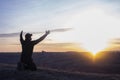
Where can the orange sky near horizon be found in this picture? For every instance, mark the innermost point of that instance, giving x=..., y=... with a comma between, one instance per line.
x=60, y=47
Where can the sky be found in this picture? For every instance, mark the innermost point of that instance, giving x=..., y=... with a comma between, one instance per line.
x=75, y=25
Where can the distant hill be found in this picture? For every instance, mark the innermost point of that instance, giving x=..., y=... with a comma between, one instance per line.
x=108, y=57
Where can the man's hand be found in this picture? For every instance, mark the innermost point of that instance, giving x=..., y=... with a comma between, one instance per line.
x=22, y=31
x=47, y=32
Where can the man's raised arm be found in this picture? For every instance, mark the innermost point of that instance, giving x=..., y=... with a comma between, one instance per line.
x=21, y=38
x=41, y=38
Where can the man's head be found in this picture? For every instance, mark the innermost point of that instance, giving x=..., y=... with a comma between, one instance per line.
x=28, y=36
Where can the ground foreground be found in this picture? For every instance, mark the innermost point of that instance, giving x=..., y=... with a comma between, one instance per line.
x=8, y=72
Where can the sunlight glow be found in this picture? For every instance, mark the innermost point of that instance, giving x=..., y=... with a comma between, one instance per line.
x=97, y=27
x=92, y=29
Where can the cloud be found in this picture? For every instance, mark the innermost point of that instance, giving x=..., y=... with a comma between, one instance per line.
x=115, y=41
x=9, y=35
x=58, y=44
x=61, y=30
x=65, y=46
x=5, y=35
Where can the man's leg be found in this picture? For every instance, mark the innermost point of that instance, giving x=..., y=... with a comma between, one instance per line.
x=20, y=66
x=32, y=66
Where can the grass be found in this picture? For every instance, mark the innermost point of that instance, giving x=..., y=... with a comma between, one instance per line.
x=8, y=72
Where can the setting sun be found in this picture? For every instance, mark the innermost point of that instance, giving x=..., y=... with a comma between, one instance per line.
x=91, y=29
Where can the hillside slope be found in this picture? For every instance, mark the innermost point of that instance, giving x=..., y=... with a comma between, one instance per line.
x=8, y=72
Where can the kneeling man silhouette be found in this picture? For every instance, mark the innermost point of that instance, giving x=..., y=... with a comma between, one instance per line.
x=26, y=61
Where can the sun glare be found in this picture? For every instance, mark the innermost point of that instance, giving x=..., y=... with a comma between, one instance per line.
x=90, y=29
x=93, y=30
x=95, y=24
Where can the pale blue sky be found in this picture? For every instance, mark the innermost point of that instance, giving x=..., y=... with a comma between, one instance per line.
x=37, y=14
x=23, y=14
